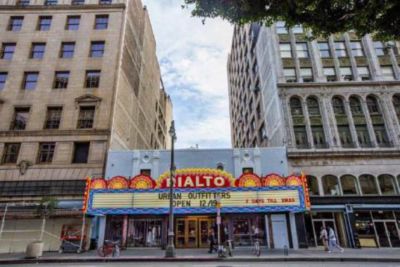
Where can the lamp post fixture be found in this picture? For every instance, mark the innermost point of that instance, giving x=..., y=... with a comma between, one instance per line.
x=170, y=250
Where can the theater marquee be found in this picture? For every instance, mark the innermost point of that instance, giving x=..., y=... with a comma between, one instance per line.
x=196, y=191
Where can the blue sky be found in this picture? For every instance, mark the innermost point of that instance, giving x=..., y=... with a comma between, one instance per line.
x=193, y=60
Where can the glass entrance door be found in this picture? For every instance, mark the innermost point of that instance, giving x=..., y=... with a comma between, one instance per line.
x=192, y=232
x=204, y=226
x=317, y=224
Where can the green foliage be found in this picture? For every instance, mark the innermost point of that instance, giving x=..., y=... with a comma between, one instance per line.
x=46, y=207
x=323, y=17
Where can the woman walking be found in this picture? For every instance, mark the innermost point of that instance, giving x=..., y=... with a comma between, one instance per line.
x=333, y=241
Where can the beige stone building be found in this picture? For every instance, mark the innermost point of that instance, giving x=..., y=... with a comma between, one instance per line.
x=77, y=78
x=334, y=103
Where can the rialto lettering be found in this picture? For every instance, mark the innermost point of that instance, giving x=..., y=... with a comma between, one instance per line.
x=197, y=181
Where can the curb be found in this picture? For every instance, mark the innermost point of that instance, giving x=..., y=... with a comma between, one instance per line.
x=201, y=259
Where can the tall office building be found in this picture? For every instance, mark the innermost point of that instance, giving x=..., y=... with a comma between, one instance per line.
x=77, y=78
x=334, y=103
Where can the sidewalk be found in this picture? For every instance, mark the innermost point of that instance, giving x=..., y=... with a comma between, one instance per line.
x=240, y=255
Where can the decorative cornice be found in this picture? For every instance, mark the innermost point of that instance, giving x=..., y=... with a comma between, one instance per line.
x=339, y=84
x=370, y=153
x=82, y=132
x=62, y=7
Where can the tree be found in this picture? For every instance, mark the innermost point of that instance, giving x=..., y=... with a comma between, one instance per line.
x=324, y=17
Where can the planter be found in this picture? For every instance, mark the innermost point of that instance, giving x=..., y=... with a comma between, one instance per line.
x=34, y=249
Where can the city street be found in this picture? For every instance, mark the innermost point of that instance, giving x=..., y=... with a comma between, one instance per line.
x=217, y=264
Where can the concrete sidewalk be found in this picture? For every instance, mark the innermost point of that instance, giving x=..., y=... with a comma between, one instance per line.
x=239, y=255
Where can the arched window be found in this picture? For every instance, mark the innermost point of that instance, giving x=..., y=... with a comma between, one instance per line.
x=338, y=106
x=295, y=106
x=313, y=106
x=342, y=122
x=330, y=185
x=349, y=185
x=396, y=104
x=312, y=183
x=299, y=127
x=378, y=123
x=368, y=185
x=355, y=105
x=372, y=104
x=387, y=184
x=360, y=122
x=317, y=128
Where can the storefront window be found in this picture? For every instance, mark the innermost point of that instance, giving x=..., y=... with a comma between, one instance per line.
x=330, y=185
x=312, y=183
x=368, y=185
x=242, y=229
x=114, y=228
x=365, y=229
x=349, y=185
x=144, y=233
x=322, y=215
x=383, y=215
x=386, y=184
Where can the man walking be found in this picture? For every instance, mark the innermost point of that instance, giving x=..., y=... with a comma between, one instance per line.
x=333, y=241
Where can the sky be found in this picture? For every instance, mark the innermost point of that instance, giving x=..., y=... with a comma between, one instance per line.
x=193, y=60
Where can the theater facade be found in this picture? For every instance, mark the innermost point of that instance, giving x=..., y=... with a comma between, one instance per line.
x=131, y=203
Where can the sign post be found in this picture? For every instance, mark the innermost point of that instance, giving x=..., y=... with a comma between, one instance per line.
x=218, y=206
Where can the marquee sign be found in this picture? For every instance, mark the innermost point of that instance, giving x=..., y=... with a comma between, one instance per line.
x=196, y=191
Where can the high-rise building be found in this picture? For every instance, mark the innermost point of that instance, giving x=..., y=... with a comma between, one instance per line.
x=77, y=78
x=334, y=103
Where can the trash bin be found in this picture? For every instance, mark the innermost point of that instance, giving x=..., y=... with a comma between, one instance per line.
x=34, y=249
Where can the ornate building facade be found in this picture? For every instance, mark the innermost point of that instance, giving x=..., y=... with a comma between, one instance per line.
x=77, y=78
x=335, y=104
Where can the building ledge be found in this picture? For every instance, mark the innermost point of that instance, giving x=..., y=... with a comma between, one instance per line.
x=82, y=132
x=375, y=199
x=364, y=153
x=336, y=84
x=63, y=7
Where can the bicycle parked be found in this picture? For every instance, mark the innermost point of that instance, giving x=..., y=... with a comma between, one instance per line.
x=109, y=248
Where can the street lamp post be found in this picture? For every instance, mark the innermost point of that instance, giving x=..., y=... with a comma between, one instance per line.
x=170, y=251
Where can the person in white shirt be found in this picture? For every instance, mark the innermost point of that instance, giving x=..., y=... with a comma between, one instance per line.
x=333, y=241
x=323, y=235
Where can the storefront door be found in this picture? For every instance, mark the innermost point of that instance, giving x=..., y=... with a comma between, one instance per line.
x=317, y=224
x=192, y=232
x=387, y=233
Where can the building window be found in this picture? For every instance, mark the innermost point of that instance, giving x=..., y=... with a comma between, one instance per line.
x=360, y=122
x=330, y=185
x=247, y=170
x=338, y=107
x=30, y=80
x=346, y=73
x=281, y=27
x=296, y=107
x=330, y=74
x=317, y=129
x=42, y=188
x=379, y=48
x=73, y=23
x=23, y=2
x=46, y=152
x=81, y=152
x=78, y=2
x=86, y=117
x=349, y=185
x=53, y=118
x=290, y=75
x=377, y=121
x=312, y=183
x=343, y=126
x=21, y=116
x=363, y=73
x=396, y=105
x=50, y=2
x=368, y=185
x=97, y=49
x=61, y=79
x=297, y=29
x=387, y=73
x=101, y=22
x=67, y=50
x=37, y=50
x=306, y=74
x=15, y=24
x=302, y=50
x=92, y=79
x=324, y=49
x=146, y=172
x=356, y=48
x=105, y=2
x=7, y=50
x=44, y=23
x=373, y=106
x=10, y=154
x=3, y=79
x=340, y=49
x=387, y=184
x=313, y=106
x=285, y=50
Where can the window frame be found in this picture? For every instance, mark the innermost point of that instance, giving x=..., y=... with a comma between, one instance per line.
x=15, y=27
x=340, y=51
x=69, y=26
x=4, y=47
x=97, y=49
x=75, y=156
x=34, y=54
x=41, y=26
x=325, y=50
x=84, y=120
x=64, y=52
x=303, y=51
x=6, y=153
x=15, y=124
x=46, y=150
x=3, y=79
x=92, y=78
x=285, y=53
x=61, y=82
x=97, y=23
x=26, y=81
x=357, y=49
x=53, y=121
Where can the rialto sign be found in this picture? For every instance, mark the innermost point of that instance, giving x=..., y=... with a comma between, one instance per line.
x=196, y=191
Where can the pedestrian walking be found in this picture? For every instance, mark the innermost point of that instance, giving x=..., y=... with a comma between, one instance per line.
x=323, y=235
x=332, y=243
x=211, y=240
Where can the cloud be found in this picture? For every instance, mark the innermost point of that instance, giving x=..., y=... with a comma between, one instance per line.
x=193, y=61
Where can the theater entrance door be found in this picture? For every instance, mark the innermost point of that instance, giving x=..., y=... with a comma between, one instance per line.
x=192, y=231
